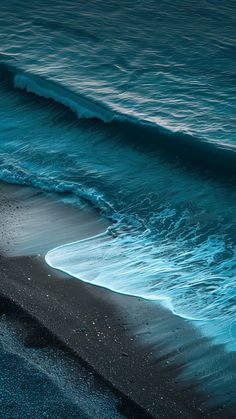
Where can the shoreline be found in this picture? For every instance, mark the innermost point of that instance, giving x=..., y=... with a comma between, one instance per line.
x=97, y=334
x=135, y=345
x=28, y=333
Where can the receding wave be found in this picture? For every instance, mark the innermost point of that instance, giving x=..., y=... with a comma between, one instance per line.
x=17, y=176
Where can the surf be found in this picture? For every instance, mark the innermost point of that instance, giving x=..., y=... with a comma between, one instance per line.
x=173, y=222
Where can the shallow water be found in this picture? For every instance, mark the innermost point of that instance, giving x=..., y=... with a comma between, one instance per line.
x=46, y=381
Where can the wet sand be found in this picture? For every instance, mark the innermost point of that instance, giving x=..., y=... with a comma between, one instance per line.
x=136, y=347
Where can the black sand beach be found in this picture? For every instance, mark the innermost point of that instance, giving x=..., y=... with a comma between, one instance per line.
x=132, y=347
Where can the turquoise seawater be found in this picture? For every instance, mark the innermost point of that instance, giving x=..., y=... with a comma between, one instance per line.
x=130, y=107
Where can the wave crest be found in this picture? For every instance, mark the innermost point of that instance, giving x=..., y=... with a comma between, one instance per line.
x=142, y=133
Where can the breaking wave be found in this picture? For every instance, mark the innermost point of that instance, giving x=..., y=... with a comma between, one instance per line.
x=147, y=134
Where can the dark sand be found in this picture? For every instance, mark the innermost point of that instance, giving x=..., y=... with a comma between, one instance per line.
x=132, y=345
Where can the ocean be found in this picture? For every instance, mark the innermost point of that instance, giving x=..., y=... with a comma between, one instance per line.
x=130, y=107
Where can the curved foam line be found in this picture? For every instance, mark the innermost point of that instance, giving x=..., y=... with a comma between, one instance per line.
x=88, y=195
x=166, y=301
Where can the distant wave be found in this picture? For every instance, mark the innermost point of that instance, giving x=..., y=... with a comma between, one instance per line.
x=146, y=135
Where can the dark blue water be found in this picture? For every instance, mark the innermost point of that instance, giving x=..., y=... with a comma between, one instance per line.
x=150, y=142
x=46, y=382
